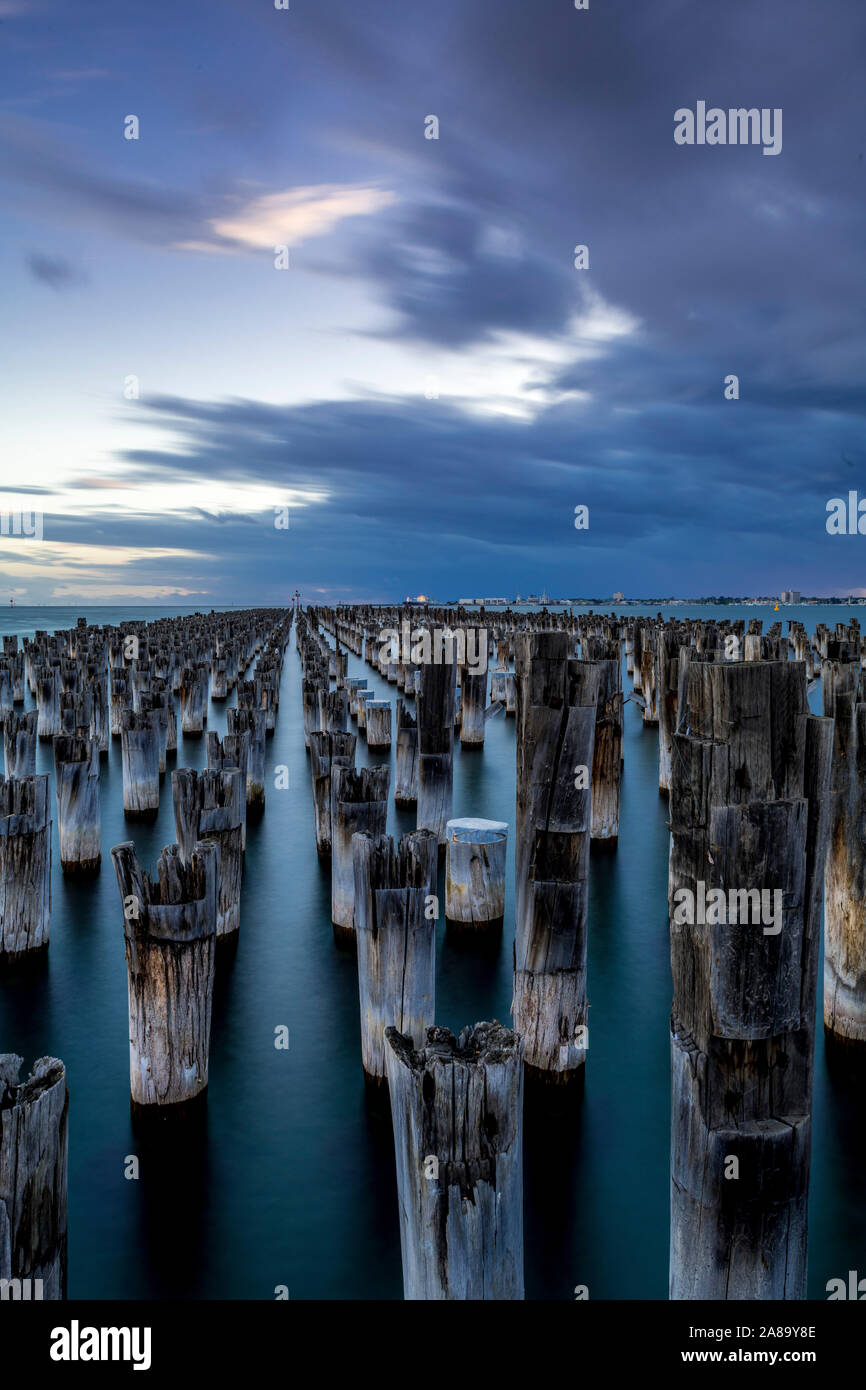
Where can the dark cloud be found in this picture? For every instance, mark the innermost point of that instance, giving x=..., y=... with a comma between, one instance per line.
x=419, y=490
x=55, y=271
x=556, y=129
x=50, y=174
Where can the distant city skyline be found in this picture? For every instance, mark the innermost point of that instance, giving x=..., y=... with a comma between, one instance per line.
x=477, y=334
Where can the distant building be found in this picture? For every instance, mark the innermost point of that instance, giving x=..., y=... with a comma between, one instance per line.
x=618, y=597
x=790, y=595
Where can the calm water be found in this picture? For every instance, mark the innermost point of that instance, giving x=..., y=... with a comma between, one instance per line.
x=293, y=1182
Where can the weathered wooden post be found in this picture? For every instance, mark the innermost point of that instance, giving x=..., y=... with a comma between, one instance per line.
x=269, y=693
x=475, y=876
x=170, y=932
x=139, y=743
x=667, y=675
x=311, y=691
x=120, y=698
x=395, y=928
x=359, y=803
x=326, y=752
x=354, y=684
x=457, y=1111
x=210, y=806
x=7, y=698
x=557, y=698
x=79, y=823
x=845, y=877
x=156, y=703
x=473, y=702
x=608, y=744
x=435, y=715
x=252, y=721
x=749, y=815
x=33, y=1177
x=649, y=674
x=25, y=866
x=100, y=725
x=233, y=751
x=163, y=692
x=406, y=758
x=19, y=744
x=48, y=702
x=333, y=711
x=193, y=700
x=219, y=685
x=378, y=724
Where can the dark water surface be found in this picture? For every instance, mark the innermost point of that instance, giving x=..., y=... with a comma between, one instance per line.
x=293, y=1183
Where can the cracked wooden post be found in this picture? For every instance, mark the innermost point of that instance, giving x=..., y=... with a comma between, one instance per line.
x=48, y=689
x=311, y=691
x=170, y=932
x=120, y=698
x=557, y=698
x=333, y=711
x=19, y=744
x=269, y=696
x=607, y=751
x=845, y=875
x=395, y=928
x=219, y=683
x=79, y=822
x=475, y=876
x=378, y=724
x=100, y=726
x=457, y=1112
x=156, y=702
x=359, y=803
x=193, y=700
x=210, y=806
x=327, y=751
x=650, y=637
x=510, y=694
x=25, y=866
x=749, y=818
x=252, y=721
x=139, y=743
x=435, y=717
x=233, y=751
x=354, y=684
x=33, y=1179
x=7, y=700
x=406, y=758
x=667, y=675
x=473, y=702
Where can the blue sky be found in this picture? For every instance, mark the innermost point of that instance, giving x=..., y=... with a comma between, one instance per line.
x=431, y=387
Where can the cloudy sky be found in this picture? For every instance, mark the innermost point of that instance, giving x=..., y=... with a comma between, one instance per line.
x=431, y=387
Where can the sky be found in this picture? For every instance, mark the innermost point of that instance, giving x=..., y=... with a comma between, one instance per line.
x=285, y=295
